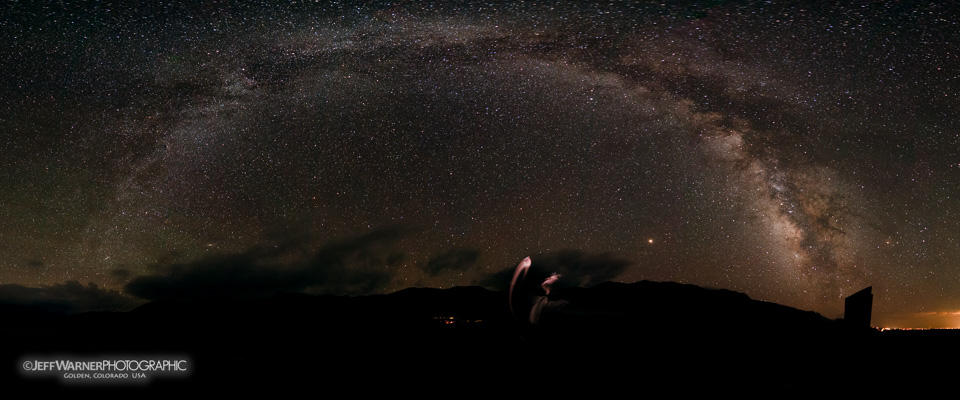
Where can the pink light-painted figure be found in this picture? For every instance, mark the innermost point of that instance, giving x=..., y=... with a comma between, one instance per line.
x=522, y=269
x=542, y=305
x=539, y=305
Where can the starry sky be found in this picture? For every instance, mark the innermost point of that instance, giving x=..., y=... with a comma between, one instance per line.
x=794, y=151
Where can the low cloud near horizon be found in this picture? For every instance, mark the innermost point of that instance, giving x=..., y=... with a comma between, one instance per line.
x=354, y=266
x=358, y=265
x=70, y=297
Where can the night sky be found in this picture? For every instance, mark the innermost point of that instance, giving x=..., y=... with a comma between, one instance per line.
x=790, y=150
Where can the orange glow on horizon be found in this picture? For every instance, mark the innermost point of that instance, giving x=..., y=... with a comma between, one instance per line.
x=920, y=320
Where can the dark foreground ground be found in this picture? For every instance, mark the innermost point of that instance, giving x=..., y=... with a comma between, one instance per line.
x=645, y=338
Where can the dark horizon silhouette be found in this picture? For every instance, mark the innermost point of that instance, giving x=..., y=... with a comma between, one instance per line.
x=466, y=336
